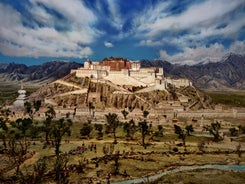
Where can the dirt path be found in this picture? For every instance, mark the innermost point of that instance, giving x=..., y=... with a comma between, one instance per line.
x=67, y=84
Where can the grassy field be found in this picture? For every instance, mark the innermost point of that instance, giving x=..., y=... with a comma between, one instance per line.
x=9, y=92
x=230, y=98
x=137, y=161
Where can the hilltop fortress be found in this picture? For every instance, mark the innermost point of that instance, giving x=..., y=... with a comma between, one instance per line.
x=126, y=73
x=118, y=83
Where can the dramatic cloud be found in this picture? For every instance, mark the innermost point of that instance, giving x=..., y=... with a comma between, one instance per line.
x=196, y=18
x=108, y=44
x=193, y=30
x=184, y=31
x=47, y=40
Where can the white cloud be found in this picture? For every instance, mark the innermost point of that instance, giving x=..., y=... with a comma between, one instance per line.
x=150, y=43
x=199, y=21
x=203, y=54
x=201, y=15
x=151, y=14
x=18, y=40
x=116, y=18
x=238, y=47
x=74, y=10
x=42, y=15
x=108, y=44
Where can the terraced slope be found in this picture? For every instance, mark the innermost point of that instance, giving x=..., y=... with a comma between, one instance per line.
x=72, y=91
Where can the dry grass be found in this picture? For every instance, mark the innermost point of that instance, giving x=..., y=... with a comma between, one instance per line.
x=140, y=162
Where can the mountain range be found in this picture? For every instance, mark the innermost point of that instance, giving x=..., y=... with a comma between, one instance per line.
x=37, y=74
x=227, y=74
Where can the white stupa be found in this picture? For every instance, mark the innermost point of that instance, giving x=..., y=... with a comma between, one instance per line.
x=20, y=100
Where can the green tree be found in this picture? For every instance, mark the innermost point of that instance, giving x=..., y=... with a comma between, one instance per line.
x=189, y=129
x=130, y=129
x=116, y=157
x=37, y=175
x=37, y=104
x=159, y=132
x=201, y=146
x=144, y=130
x=23, y=125
x=59, y=129
x=4, y=132
x=4, y=119
x=214, y=129
x=50, y=114
x=5, y=114
x=241, y=129
x=17, y=148
x=86, y=130
x=233, y=131
x=125, y=113
x=35, y=130
x=145, y=113
x=99, y=128
x=112, y=123
x=181, y=134
x=40, y=168
x=59, y=167
x=47, y=129
x=28, y=108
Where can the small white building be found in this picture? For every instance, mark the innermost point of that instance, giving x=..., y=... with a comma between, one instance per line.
x=21, y=99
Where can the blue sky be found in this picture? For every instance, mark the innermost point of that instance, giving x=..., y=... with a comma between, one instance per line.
x=179, y=31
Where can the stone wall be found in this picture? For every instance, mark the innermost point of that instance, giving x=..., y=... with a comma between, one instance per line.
x=179, y=82
x=98, y=74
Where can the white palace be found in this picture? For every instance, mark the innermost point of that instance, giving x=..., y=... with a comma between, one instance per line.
x=126, y=73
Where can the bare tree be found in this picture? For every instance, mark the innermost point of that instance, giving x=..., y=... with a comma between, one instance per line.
x=59, y=129
x=17, y=149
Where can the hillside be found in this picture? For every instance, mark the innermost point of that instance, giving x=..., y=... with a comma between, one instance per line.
x=44, y=73
x=33, y=76
x=72, y=91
